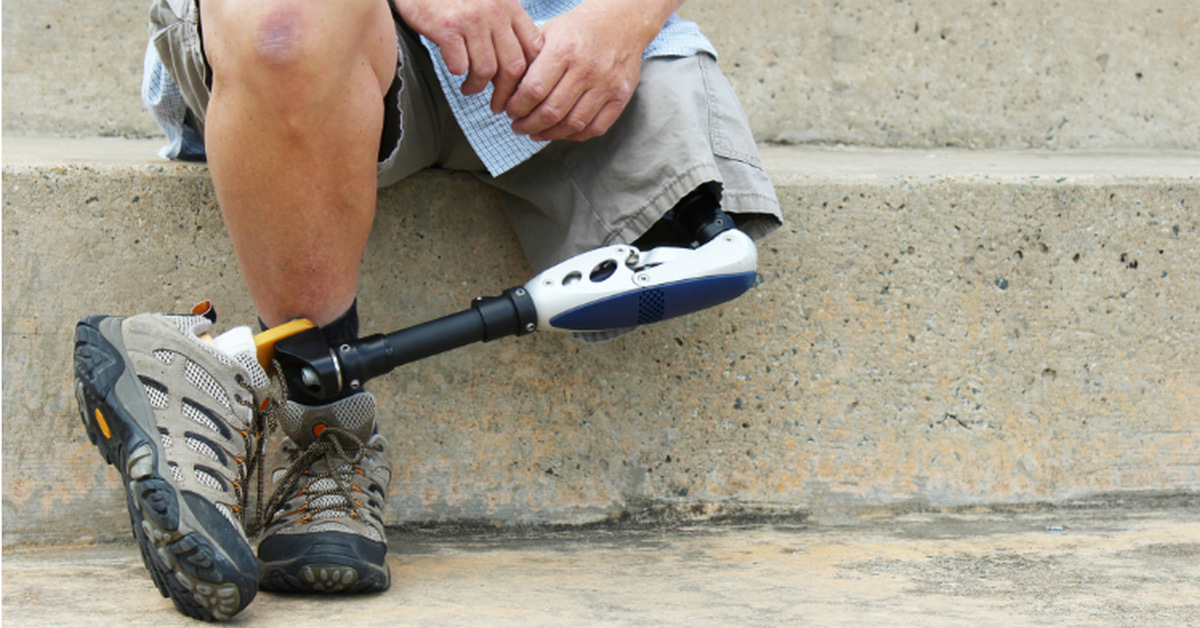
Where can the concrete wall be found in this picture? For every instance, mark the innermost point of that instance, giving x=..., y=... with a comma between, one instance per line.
x=934, y=326
x=971, y=73
x=937, y=328
x=1006, y=74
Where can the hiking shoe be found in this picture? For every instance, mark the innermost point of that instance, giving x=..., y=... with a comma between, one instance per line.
x=324, y=530
x=178, y=417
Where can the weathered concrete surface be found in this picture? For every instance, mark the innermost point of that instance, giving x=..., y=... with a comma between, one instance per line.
x=1078, y=568
x=940, y=328
x=1012, y=74
x=75, y=69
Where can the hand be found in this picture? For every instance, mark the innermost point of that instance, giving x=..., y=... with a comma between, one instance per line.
x=491, y=41
x=587, y=69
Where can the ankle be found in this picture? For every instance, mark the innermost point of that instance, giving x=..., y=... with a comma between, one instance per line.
x=341, y=329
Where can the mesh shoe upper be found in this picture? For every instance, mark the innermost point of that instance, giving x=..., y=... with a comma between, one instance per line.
x=330, y=472
x=205, y=403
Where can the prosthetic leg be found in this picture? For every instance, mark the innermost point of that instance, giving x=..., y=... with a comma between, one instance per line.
x=611, y=287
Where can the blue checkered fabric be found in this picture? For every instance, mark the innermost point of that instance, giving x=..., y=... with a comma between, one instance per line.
x=491, y=134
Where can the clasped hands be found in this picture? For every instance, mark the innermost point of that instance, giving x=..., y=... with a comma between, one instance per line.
x=569, y=79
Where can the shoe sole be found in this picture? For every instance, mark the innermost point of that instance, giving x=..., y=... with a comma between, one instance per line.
x=325, y=562
x=177, y=531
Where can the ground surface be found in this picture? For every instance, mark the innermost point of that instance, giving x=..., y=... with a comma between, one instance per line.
x=1060, y=567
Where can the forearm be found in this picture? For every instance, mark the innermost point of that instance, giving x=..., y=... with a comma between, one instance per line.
x=643, y=19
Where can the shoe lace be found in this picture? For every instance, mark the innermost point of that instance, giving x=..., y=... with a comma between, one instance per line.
x=267, y=406
x=342, y=453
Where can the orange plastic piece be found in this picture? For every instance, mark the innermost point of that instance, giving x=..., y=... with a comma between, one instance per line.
x=102, y=423
x=266, y=340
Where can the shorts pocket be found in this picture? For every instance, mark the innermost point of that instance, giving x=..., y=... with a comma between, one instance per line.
x=729, y=129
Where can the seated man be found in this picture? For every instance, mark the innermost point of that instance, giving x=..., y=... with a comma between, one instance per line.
x=597, y=118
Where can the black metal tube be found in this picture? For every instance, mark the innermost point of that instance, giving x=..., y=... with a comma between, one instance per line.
x=490, y=318
x=370, y=357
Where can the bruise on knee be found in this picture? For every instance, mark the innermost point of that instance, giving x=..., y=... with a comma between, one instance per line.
x=277, y=36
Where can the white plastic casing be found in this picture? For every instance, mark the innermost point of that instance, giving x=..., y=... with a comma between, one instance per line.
x=621, y=269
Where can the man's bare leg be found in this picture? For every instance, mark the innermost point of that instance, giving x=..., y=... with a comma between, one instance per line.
x=292, y=135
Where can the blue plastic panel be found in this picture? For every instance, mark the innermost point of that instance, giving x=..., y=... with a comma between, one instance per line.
x=659, y=303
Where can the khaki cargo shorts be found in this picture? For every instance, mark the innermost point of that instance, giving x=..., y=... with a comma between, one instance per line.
x=683, y=128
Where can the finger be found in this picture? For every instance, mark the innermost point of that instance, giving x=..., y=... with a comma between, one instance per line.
x=511, y=68
x=529, y=35
x=553, y=110
x=454, y=53
x=602, y=122
x=482, y=56
x=575, y=121
x=540, y=80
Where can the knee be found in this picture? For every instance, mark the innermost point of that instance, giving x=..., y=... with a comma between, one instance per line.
x=243, y=39
x=286, y=40
x=280, y=37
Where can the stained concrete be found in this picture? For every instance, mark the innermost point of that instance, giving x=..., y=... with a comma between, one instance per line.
x=942, y=328
x=75, y=69
x=1097, y=566
x=1015, y=74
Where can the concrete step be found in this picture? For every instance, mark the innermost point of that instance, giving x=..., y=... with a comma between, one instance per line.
x=937, y=328
x=1012, y=75
x=1091, y=567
